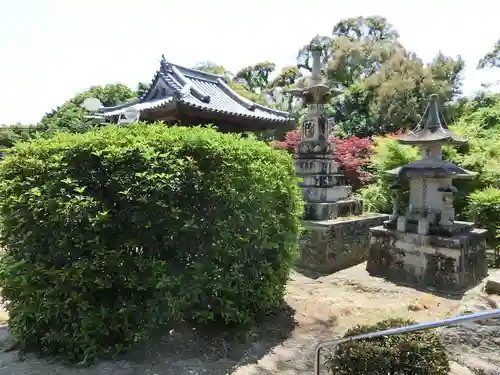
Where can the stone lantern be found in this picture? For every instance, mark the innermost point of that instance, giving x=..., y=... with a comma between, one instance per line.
x=430, y=178
x=427, y=232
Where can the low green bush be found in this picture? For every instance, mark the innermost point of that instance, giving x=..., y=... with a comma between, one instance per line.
x=387, y=154
x=412, y=353
x=115, y=231
x=482, y=155
x=484, y=209
x=376, y=197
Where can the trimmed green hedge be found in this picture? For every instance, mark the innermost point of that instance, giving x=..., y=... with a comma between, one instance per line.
x=484, y=209
x=420, y=352
x=115, y=231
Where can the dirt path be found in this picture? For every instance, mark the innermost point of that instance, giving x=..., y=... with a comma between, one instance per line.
x=324, y=308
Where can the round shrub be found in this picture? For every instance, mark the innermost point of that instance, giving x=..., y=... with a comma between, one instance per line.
x=484, y=210
x=420, y=352
x=387, y=154
x=115, y=231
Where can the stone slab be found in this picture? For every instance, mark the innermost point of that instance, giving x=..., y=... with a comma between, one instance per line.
x=493, y=284
x=457, y=241
x=328, y=246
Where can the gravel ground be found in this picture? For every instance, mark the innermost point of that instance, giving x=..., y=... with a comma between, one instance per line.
x=318, y=309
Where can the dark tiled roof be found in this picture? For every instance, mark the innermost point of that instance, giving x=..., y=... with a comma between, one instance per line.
x=141, y=106
x=432, y=169
x=432, y=127
x=201, y=90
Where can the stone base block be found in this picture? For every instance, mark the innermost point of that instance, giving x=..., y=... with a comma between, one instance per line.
x=332, y=245
x=493, y=284
x=448, y=264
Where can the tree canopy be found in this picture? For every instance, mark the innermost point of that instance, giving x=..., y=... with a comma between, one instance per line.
x=492, y=58
x=383, y=86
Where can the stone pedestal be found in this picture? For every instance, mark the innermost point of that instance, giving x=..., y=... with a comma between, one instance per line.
x=332, y=245
x=449, y=263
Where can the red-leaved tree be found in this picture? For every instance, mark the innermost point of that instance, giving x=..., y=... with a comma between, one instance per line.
x=352, y=154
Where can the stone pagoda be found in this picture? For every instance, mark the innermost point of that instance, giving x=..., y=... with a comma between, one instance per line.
x=425, y=244
x=324, y=188
x=329, y=244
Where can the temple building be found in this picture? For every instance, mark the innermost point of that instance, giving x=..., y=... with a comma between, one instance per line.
x=183, y=96
x=424, y=243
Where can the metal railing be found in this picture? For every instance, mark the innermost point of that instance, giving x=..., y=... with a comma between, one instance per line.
x=394, y=331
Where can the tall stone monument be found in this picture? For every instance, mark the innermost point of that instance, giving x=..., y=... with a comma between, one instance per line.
x=425, y=244
x=336, y=237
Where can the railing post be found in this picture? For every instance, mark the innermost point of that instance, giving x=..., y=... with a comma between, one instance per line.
x=394, y=331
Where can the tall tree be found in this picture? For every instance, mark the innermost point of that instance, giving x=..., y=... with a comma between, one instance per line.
x=492, y=58
x=256, y=77
x=447, y=69
x=142, y=88
x=373, y=28
x=10, y=134
x=70, y=115
x=304, y=57
x=277, y=90
x=287, y=77
x=383, y=85
x=211, y=67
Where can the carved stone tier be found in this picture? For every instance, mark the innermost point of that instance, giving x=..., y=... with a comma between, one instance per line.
x=333, y=210
x=323, y=180
x=315, y=165
x=448, y=263
x=324, y=189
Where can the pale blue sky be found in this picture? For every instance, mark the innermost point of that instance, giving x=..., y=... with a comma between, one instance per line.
x=52, y=49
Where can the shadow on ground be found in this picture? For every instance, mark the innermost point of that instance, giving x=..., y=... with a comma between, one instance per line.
x=296, y=356
x=456, y=296
x=178, y=350
x=224, y=348
x=311, y=274
x=314, y=275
